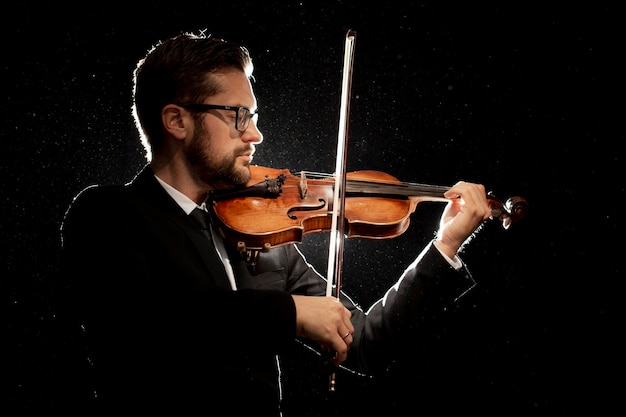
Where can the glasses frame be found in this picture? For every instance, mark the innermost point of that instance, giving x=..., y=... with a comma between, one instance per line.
x=201, y=107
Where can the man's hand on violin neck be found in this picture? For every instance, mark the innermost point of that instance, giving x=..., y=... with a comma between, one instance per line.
x=467, y=209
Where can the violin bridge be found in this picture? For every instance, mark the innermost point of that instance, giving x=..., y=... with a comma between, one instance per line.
x=302, y=186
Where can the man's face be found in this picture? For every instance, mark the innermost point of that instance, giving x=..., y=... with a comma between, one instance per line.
x=218, y=152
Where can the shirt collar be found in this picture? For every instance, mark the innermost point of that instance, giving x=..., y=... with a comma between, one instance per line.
x=186, y=203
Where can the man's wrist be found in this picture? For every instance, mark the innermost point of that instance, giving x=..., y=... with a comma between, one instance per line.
x=453, y=260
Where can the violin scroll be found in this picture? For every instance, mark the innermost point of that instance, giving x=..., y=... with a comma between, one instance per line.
x=508, y=212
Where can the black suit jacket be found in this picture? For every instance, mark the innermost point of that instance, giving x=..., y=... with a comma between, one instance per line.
x=164, y=330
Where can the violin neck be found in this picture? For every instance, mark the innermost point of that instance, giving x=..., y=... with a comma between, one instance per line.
x=401, y=190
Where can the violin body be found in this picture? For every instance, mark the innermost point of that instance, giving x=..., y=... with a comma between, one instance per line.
x=286, y=218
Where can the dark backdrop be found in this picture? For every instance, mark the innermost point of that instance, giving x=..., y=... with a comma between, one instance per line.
x=527, y=99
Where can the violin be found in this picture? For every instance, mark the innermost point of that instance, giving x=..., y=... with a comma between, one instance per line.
x=278, y=207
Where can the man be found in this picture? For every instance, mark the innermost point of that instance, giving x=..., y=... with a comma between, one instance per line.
x=174, y=320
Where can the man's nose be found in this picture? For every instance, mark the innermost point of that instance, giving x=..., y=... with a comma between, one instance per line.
x=252, y=133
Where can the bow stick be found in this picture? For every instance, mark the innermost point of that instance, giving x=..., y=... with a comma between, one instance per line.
x=337, y=231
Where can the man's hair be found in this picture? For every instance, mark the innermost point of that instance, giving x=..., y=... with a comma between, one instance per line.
x=177, y=70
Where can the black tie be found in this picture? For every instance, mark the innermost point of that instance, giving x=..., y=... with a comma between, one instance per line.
x=204, y=221
x=202, y=217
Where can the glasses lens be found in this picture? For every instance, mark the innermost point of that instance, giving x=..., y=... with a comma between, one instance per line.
x=243, y=119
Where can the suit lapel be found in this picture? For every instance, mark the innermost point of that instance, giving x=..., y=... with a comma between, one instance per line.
x=206, y=252
x=154, y=199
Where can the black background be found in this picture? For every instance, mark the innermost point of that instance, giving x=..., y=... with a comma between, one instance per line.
x=525, y=98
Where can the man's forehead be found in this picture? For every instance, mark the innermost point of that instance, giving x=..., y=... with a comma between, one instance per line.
x=235, y=87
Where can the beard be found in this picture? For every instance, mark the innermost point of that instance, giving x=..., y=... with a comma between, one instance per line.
x=218, y=172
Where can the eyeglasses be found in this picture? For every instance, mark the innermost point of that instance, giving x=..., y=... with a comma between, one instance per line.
x=242, y=114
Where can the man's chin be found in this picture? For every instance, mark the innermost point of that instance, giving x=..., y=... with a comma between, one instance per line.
x=244, y=174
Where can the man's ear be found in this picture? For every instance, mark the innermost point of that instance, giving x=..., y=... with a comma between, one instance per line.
x=176, y=121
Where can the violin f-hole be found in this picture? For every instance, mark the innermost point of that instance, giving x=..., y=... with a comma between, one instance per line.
x=305, y=208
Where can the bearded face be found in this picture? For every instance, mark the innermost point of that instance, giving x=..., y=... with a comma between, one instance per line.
x=215, y=165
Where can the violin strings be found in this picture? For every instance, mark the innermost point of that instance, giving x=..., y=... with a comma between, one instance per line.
x=404, y=188
x=383, y=187
x=315, y=175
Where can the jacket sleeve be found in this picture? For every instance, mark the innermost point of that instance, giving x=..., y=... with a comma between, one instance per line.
x=414, y=309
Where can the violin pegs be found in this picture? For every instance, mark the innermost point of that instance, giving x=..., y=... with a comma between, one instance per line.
x=508, y=213
x=517, y=207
